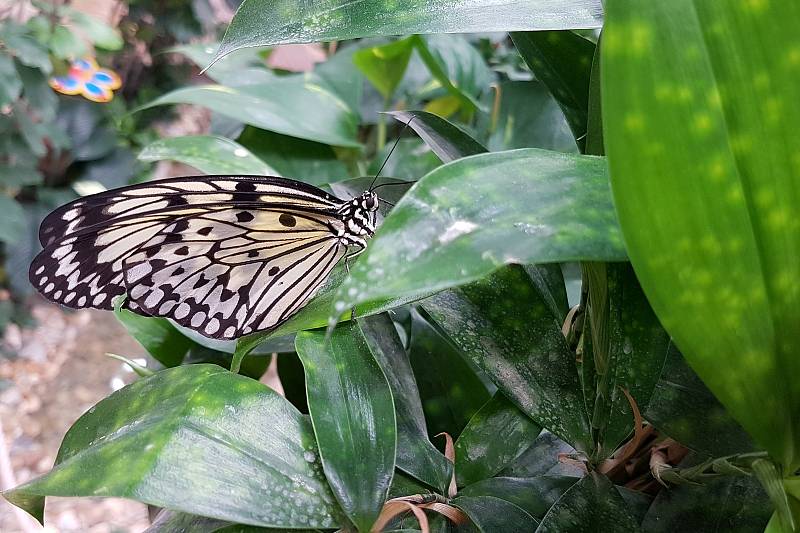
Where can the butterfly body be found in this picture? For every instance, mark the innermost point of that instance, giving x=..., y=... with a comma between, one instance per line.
x=223, y=255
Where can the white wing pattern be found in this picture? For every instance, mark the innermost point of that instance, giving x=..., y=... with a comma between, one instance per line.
x=223, y=255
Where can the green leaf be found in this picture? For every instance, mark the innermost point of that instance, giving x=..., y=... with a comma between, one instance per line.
x=98, y=32
x=592, y=504
x=490, y=514
x=10, y=84
x=289, y=105
x=630, y=359
x=37, y=92
x=410, y=160
x=157, y=335
x=12, y=220
x=307, y=161
x=448, y=141
x=207, y=153
x=494, y=437
x=471, y=216
x=529, y=117
x=683, y=408
x=503, y=324
x=456, y=65
x=243, y=67
x=562, y=60
x=352, y=411
x=14, y=176
x=712, y=230
x=730, y=504
x=535, y=495
x=541, y=459
x=25, y=48
x=415, y=453
x=263, y=22
x=385, y=65
x=194, y=439
x=450, y=390
x=65, y=44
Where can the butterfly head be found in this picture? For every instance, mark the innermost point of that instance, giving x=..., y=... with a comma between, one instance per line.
x=368, y=201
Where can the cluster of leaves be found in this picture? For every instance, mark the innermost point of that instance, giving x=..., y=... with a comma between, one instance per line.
x=567, y=398
x=46, y=141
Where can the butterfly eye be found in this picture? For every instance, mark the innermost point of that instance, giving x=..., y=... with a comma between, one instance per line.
x=371, y=202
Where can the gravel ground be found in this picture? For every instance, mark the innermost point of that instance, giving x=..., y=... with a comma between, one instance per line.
x=51, y=374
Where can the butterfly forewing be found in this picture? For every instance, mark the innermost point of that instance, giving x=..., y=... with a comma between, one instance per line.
x=223, y=255
x=174, y=194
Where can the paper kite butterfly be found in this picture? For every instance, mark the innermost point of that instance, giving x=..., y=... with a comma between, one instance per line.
x=223, y=255
x=88, y=80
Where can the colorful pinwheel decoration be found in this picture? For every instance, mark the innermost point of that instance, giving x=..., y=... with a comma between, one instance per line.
x=86, y=78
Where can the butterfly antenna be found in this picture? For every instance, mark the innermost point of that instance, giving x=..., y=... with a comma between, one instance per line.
x=399, y=135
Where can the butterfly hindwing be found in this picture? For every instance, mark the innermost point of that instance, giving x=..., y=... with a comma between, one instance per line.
x=224, y=276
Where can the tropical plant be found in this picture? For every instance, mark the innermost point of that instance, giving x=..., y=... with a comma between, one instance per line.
x=539, y=336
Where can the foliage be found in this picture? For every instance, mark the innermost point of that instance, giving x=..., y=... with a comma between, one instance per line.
x=565, y=413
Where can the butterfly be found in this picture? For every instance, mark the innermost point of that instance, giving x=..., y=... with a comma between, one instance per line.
x=226, y=256
x=86, y=78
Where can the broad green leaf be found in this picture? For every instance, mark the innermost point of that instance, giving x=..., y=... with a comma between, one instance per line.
x=158, y=336
x=730, y=504
x=494, y=437
x=490, y=514
x=503, y=324
x=410, y=160
x=15, y=176
x=12, y=220
x=415, y=453
x=450, y=390
x=533, y=494
x=303, y=160
x=542, y=459
x=65, y=44
x=10, y=84
x=385, y=65
x=208, y=154
x=263, y=22
x=98, y=32
x=252, y=367
x=243, y=67
x=352, y=411
x=289, y=105
x=24, y=47
x=591, y=504
x=529, y=117
x=196, y=439
x=448, y=141
x=704, y=171
x=37, y=92
x=562, y=60
x=168, y=521
x=456, y=65
x=471, y=216
x=632, y=357
x=683, y=408
x=340, y=75
x=549, y=280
